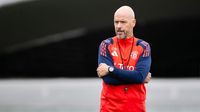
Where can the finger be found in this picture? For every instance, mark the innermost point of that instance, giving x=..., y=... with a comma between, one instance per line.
x=100, y=64
x=99, y=68
x=149, y=73
x=98, y=74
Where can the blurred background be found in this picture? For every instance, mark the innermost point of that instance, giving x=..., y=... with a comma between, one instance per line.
x=50, y=44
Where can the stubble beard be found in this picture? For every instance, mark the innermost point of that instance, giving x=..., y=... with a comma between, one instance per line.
x=122, y=36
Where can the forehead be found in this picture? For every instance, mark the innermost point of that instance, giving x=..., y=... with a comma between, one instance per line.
x=121, y=17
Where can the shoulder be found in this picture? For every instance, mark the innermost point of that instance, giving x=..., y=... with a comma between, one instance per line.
x=107, y=41
x=104, y=46
x=143, y=44
x=146, y=47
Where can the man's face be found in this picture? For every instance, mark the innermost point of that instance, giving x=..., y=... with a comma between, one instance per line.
x=123, y=26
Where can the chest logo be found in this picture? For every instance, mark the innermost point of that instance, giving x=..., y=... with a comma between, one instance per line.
x=114, y=53
x=134, y=55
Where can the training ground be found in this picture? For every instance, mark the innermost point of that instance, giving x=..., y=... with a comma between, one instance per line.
x=82, y=95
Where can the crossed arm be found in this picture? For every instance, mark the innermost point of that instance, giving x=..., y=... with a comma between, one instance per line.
x=102, y=71
x=140, y=75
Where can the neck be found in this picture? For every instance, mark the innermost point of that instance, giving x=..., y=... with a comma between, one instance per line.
x=126, y=38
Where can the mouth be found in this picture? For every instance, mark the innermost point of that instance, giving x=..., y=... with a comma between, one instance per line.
x=119, y=32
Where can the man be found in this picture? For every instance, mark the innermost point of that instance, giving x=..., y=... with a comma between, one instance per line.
x=124, y=64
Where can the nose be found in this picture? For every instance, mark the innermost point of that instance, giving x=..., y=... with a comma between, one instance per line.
x=118, y=25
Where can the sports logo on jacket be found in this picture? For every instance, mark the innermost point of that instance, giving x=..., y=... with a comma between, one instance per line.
x=114, y=52
x=134, y=55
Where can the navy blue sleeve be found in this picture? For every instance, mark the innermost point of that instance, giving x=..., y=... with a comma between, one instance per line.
x=104, y=57
x=142, y=68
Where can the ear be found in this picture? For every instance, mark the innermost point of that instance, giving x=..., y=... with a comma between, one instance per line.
x=134, y=22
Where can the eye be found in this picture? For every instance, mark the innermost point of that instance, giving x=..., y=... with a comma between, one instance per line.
x=116, y=22
x=123, y=22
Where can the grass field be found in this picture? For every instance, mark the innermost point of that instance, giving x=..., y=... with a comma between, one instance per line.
x=82, y=95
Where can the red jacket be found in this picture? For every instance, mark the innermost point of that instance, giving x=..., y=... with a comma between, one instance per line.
x=119, y=92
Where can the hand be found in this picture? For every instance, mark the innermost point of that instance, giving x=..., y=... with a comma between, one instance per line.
x=148, y=78
x=102, y=70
